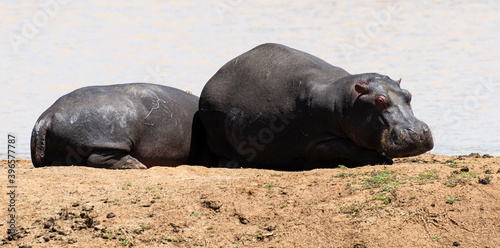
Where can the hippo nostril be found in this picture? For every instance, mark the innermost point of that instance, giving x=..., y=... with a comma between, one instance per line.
x=425, y=129
x=426, y=136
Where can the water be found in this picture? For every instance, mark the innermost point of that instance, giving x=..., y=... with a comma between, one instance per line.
x=446, y=52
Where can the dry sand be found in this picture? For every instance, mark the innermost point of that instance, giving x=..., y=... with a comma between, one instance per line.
x=422, y=201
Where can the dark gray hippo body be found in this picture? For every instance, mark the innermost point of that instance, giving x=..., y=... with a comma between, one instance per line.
x=280, y=108
x=119, y=126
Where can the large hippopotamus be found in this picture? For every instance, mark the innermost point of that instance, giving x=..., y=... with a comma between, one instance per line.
x=279, y=108
x=119, y=126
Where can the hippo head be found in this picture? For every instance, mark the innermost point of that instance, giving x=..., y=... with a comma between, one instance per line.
x=381, y=118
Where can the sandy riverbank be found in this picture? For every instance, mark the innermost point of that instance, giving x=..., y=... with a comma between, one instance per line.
x=423, y=201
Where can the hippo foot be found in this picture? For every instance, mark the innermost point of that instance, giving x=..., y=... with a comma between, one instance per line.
x=369, y=157
x=375, y=158
x=114, y=160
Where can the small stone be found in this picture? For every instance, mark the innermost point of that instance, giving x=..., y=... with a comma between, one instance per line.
x=465, y=169
x=75, y=204
x=110, y=215
x=65, y=231
x=100, y=228
x=456, y=243
x=49, y=223
x=88, y=207
x=484, y=180
x=25, y=230
x=488, y=172
x=61, y=238
x=474, y=155
x=25, y=246
x=72, y=240
x=487, y=156
x=498, y=171
x=46, y=238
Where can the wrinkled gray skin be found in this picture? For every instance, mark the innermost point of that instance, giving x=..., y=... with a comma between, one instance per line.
x=117, y=126
x=280, y=108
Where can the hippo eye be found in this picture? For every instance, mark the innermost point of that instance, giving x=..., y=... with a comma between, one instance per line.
x=381, y=101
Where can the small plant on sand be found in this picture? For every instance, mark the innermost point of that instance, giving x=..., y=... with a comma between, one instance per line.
x=451, y=200
x=312, y=203
x=379, y=178
x=107, y=236
x=127, y=184
x=259, y=236
x=170, y=239
x=428, y=176
x=342, y=175
x=270, y=226
x=436, y=237
x=197, y=214
x=459, y=177
x=383, y=198
x=389, y=187
x=123, y=241
x=341, y=166
x=452, y=165
x=351, y=209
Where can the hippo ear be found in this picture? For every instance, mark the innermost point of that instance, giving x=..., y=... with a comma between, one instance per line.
x=361, y=88
x=399, y=81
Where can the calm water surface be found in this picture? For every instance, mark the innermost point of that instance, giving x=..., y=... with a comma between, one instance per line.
x=447, y=53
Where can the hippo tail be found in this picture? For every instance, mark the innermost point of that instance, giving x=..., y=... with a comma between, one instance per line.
x=38, y=141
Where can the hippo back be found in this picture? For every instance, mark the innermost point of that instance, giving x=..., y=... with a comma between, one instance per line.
x=152, y=123
x=268, y=73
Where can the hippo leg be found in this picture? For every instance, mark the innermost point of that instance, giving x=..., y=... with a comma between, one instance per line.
x=114, y=160
x=346, y=149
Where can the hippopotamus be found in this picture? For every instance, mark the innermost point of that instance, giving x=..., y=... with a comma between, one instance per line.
x=120, y=126
x=279, y=108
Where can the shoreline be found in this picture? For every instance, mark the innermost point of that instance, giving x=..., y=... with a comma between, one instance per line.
x=25, y=161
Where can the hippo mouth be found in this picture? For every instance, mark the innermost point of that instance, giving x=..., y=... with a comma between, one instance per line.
x=397, y=144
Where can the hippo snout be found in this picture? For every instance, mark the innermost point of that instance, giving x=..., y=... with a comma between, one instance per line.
x=404, y=141
x=425, y=137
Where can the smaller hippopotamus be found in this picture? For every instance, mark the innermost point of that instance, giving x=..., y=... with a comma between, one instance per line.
x=121, y=126
x=279, y=108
